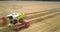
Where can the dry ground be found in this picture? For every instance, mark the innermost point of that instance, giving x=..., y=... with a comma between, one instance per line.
x=50, y=24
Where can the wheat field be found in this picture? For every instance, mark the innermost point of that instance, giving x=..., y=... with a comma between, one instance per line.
x=43, y=16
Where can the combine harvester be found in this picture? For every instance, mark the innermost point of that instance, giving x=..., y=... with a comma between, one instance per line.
x=16, y=21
